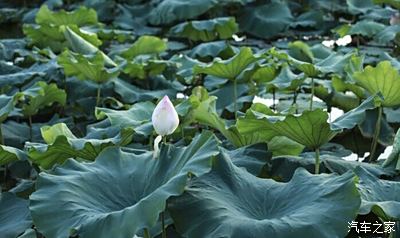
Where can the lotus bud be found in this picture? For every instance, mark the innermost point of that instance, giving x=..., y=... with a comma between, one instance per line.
x=395, y=19
x=165, y=118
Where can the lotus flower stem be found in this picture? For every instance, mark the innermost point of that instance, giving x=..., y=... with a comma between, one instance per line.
x=376, y=134
x=164, y=233
x=98, y=95
x=273, y=99
x=30, y=126
x=1, y=134
x=312, y=94
x=316, y=161
x=235, y=97
x=146, y=233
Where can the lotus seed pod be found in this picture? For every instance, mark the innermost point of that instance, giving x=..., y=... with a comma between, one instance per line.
x=165, y=118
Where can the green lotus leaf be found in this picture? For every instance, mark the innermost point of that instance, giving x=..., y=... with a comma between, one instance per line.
x=143, y=69
x=281, y=145
x=367, y=128
x=366, y=28
x=15, y=217
x=230, y=202
x=301, y=51
x=41, y=95
x=137, y=117
x=393, y=3
x=63, y=144
x=388, y=34
x=383, y=78
x=263, y=73
x=310, y=18
x=141, y=186
x=145, y=45
x=9, y=154
x=274, y=16
x=204, y=112
x=168, y=11
x=7, y=104
x=282, y=168
x=80, y=45
x=252, y=157
x=230, y=68
x=80, y=17
x=212, y=49
x=286, y=79
x=357, y=115
x=87, y=67
x=310, y=129
x=381, y=197
x=131, y=94
x=206, y=30
x=54, y=37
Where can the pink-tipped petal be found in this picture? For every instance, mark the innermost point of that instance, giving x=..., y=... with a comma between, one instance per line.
x=165, y=118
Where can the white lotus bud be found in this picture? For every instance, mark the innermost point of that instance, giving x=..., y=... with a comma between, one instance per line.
x=165, y=118
x=395, y=19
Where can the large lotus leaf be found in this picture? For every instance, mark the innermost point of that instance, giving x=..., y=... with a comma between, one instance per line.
x=388, y=34
x=7, y=104
x=261, y=73
x=393, y=3
x=383, y=78
x=230, y=202
x=357, y=115
x=169, y=11
x=145, y=45
x=212, y=49
x=359, y=6
x=144, y=68
x=230, y=68
x=137, y=117
x=130, y=93
x=274, y=16
x=281, y=145
x=310, y=18
x=26, y=75
x=310, y=129
x=79, y=17
x=9, y=154
x=140, y=187
x=381, y=197
x=41, y=95
x=63, y=144
x=286, y=80
x=252, y=157
x=204, y=112
x=364, y=28
x=301, y=51
x=44, y=36
x=80, y=45
x=367, y=128
x=206, y=30
x=226, y=96
x=87, y=67
x=15, y=217
x=335, y=63
x=282, y=168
